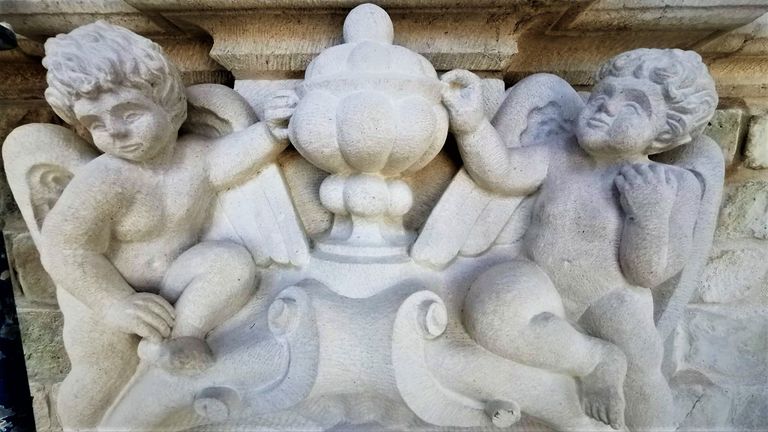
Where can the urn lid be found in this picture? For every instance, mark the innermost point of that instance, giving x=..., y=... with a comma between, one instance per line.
x=368, y=54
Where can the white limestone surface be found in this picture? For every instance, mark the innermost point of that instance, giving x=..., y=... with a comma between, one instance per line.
x=541, y=288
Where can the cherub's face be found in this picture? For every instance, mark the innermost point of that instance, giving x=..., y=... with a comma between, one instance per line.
x=127, y=124
x=623, y=117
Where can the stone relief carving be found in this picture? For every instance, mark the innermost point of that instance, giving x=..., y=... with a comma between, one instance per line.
x=540, y=288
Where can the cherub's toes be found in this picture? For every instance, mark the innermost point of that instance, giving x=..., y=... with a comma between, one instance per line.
x=616, y=416
x=602, y=413
x=593, y=411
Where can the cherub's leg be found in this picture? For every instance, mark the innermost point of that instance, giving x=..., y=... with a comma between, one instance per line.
x=208, y=284
x=514, y=311
x=103, y=361
x=625, y=317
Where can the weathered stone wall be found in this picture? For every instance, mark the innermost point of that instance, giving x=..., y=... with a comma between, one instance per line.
x=717, y=358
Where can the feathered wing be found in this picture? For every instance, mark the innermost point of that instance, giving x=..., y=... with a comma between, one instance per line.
x=39, y=160
x=272, y=230
x=536, y=111
x=704, y=159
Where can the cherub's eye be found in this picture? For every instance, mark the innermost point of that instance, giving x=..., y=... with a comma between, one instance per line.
x=132, y=116
x=635, y=108
x=97, y=127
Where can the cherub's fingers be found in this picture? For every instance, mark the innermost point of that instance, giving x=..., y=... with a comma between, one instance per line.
x=657, y=171
x=285, y=95
x=146, y=331
x=459, y=78
x=159, y=311
x=645, y=172
x=158, y=300
x=278, y=114
x=149, y=317
x=630, y=175
x=670, y=178
x=283, y=101
x=621, y=183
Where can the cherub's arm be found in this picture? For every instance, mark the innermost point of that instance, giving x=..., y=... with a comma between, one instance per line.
x=660, y=204
x=493, y=165
x=508, y=171
x=74, y=240
x=236, y=157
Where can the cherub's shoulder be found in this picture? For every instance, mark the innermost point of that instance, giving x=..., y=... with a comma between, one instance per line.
x=189, y=145
x=103, y=172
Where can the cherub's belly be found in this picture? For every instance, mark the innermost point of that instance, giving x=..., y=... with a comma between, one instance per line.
x=581, y=257
x=145, y=264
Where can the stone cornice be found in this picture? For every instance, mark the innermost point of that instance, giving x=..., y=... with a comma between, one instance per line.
x=260, y=39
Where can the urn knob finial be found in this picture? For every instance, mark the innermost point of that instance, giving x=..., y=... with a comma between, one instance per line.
x=368, y=22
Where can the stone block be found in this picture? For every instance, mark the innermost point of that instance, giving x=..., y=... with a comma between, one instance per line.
x=31, y=277
x=734, y=273
x=726, y=344
x=40, y=406
x=702, y=407
x=728, y=128
x=744, y=214
x=41, y=336
x=53, y=400
x=756, y=151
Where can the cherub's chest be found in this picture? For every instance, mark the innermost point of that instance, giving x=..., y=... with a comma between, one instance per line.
x=162, y=203
x=582, y=203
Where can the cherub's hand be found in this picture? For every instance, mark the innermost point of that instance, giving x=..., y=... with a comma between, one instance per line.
x=145, y=314
x=648, y=191
x=463, y=97
x=278, y=112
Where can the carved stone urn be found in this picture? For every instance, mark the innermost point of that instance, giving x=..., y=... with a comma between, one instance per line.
x=369, y=114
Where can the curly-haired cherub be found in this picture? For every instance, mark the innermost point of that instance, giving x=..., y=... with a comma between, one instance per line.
x=123, y=241
x=608, y=224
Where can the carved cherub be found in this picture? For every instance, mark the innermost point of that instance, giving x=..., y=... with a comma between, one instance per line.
x=607, y=222
x=123, y=241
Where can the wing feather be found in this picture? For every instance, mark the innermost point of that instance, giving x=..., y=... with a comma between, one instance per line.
x=704, y=159
x=39, y=160
x=259, y=213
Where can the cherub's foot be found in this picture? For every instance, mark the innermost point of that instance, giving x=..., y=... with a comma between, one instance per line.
x=602, y=390
x=181, y=356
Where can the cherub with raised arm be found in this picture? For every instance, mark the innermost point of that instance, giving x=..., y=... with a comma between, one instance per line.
x=123, y=240
x=609, y=225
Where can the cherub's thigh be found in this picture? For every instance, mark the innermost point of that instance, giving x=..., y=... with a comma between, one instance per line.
x=206, y=260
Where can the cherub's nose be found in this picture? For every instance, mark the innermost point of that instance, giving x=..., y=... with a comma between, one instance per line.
x=117, y=130
x=608, y=106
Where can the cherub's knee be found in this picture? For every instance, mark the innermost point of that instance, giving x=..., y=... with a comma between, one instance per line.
x=233, y=263
x=506, y=298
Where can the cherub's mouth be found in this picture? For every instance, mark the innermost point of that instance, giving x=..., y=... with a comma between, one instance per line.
x=130, y=148
x=598, y=122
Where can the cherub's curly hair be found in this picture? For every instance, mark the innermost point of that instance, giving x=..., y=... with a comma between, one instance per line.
x=687, y=87
x=101, y=57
